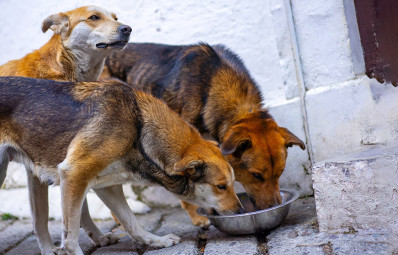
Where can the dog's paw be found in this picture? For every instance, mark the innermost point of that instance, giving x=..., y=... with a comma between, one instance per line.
x=107, y=239
x=162, y=241
x=59, y=251
x=200, y=221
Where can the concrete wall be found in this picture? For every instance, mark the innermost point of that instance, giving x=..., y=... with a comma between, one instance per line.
x=345, y=109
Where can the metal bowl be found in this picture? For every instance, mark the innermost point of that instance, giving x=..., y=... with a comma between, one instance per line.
x=256, y=221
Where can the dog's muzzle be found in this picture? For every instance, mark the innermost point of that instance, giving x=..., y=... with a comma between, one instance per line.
x=117, y=44
x=125, y=32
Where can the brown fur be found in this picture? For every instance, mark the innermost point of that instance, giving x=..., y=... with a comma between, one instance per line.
x=210, y=88
x=108, y=123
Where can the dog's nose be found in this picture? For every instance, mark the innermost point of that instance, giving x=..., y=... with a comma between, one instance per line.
x=126, y=30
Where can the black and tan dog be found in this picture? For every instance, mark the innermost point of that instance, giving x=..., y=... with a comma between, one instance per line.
x=100, y=134
x=82, y=39
x=210, y=87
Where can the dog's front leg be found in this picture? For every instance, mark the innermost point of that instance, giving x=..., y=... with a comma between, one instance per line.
x=196, y=219
x=92, y=230
x=113, y=197
x=73, y=192
x=38, y=198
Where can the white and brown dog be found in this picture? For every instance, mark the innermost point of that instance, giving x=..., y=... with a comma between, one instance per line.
x=100, y=135
x=82, y=39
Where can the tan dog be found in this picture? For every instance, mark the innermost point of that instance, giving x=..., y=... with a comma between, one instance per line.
x=97, y=135
x=211, y=88
x=82, y=39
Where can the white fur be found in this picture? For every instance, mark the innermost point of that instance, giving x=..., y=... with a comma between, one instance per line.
x=82, y=43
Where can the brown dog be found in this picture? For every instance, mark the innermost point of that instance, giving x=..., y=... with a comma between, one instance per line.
x=211, y=89
x=82, y=39
x=98, y=135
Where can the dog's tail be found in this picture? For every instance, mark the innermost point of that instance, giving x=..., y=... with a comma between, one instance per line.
x=5, y=157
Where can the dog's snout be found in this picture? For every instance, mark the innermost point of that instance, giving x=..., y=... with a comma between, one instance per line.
x=124, y=29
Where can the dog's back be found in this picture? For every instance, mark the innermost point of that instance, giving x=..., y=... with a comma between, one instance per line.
x=182, y=76
x=146, y=66
x=30, y=113
x=25, y=99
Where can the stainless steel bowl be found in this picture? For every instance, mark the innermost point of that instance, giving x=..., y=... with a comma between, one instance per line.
x=256, y=221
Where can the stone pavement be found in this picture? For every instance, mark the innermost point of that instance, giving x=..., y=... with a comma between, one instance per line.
x=298, y=234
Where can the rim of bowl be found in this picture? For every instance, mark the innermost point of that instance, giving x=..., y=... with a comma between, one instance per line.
x=295, y=194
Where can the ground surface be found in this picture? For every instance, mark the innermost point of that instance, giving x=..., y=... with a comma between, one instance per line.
x=298, y=234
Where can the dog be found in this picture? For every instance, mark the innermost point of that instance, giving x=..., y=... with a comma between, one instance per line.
x=100, y=135
x=82, y=39
x=210, y=88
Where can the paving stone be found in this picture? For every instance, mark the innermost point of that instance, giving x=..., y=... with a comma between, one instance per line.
x=127, y=246
x=27, y=247
x=159, y=196
x=361, y=243
x=151, y=220
x=106, y=226
x=31, y=246
x=184, y=248
x=301, y=210
x=299, y=234
x=5, y=223
x=178, y=222
x=121, y=248
x=14, y=234
x=244, y=245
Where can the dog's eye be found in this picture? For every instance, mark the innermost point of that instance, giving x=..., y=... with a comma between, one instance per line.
x=258, y=176
x=223, y=187
x=94, y=17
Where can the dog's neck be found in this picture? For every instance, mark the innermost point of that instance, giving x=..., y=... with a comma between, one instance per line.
x=88, y=64
x=220, y=115
x=163, y=129
x=74, y=64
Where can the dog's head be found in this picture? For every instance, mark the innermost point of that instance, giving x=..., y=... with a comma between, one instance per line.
x=256, y=147
x=210, y=179
x=89, y=28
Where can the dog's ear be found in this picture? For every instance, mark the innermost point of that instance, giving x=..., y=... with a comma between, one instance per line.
x=236, y=143
x=290, y=138
x=187, y=165
x=59, y=23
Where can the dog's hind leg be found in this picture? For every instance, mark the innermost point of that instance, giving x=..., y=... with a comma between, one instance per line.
x=92, y=230
x=4, y=160
x=38, y=197
x=113, y=197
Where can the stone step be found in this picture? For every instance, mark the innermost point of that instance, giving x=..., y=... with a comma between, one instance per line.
x=358, y=191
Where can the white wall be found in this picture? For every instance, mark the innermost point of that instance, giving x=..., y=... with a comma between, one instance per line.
x=244, y=26
x=345, y=109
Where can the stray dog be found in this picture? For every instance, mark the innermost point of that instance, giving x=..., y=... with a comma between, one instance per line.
x=210, y=88
x=101, y=134
x=82, y=39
